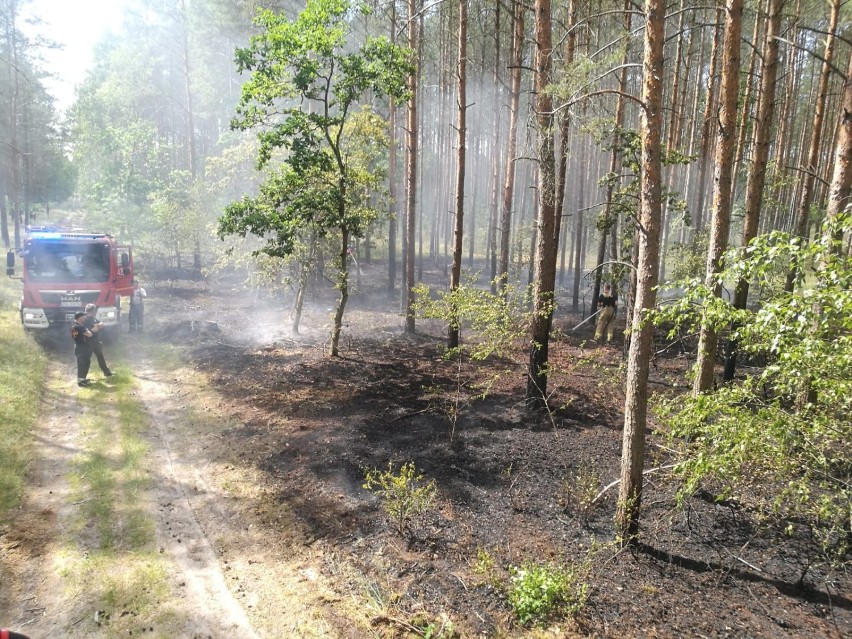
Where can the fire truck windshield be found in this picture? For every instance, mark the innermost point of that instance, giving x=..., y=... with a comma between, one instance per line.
x=67, y=262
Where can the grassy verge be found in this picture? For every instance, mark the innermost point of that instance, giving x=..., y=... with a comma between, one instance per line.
x=110, y=558
x=22, y=371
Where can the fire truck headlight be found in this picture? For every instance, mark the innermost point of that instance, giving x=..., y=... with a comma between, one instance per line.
x=109, y=315
x=29, y=316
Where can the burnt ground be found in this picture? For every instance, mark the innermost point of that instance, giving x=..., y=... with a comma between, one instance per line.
x=513, y=484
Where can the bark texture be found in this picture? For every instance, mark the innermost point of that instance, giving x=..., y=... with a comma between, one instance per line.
x=639, y=355
x=547, y=226
x=722, y=173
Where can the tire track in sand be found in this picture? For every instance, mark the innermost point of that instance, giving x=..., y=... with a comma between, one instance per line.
x=179, y=484
x=38, y=598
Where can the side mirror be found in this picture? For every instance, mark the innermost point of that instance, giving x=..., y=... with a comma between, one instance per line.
x=10, y=262
x=125, y=260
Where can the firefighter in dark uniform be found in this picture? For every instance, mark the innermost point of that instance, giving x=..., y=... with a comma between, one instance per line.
x=95, y=325
x=82, y=350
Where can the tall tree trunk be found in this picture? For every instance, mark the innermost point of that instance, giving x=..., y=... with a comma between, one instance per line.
x=547, y=225
x=511, y=145
x=392, y=190
x=641, y=343
x=564, y=120
x=689, y=174
x=840, y=189
x=812, y=166
x=722, y=171
x=791, y=193
x=760, y=159
x=411, y=167
x=187, y=86
x=461, y=140
x=839, y=200
x=672, y=133
x=495, y=160
x=698, y=221
x=4, y=220
x=13, y=151
x=608, y=222
x=746, y=104
x=579, y=244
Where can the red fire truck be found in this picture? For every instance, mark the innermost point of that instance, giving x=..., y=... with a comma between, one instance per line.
x=64, y=270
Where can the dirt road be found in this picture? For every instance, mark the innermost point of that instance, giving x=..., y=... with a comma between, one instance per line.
x=129, y=527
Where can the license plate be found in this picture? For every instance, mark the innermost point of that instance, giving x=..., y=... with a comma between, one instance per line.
x=69, y=317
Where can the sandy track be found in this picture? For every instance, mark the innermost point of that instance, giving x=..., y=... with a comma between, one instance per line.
x=35, y=597
x=179, y=533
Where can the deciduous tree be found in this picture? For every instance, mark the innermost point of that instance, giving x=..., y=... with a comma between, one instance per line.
x=318, y=184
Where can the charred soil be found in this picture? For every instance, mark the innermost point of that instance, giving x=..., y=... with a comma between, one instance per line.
x=513, y=485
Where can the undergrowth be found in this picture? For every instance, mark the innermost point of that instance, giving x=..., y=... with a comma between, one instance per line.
x=21, y=380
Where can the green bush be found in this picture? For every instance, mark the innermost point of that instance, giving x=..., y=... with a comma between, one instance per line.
x=403, y=495
x=494, y=323
x=778, y=439
x=538, y=592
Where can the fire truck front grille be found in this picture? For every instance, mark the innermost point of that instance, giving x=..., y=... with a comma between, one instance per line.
x=74, y=301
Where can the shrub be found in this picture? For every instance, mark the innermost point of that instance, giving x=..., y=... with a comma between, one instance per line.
x=538, y=592
x=580, y=489
x=403, y=495
x=779, y=438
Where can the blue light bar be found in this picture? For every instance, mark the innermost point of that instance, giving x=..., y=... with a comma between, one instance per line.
x=45, y=235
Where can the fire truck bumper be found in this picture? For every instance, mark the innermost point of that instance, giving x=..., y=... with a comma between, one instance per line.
x=109, y=316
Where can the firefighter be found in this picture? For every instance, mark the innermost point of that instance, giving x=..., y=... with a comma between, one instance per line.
x=82, y=350
x=137, y=307
x=95, y=325
x=608, y=304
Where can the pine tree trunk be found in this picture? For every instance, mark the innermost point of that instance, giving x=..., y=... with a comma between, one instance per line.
x=608, y=221
x=579, y=242
x=547, y=225
x=495, y=163
x=672, y=135
x=511, y=146
x=392, y=190
x=461, y=129
x=810, y=169
x=411, y=177
x=760, y=158
x=746, y=104
x=641, y=343
x=564, y=124
x=706, y=147
x=722, y=172
x=840, y=189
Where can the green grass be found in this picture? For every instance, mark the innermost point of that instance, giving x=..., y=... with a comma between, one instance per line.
x=22, y=371
x=110, y=557
x=127, y=588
